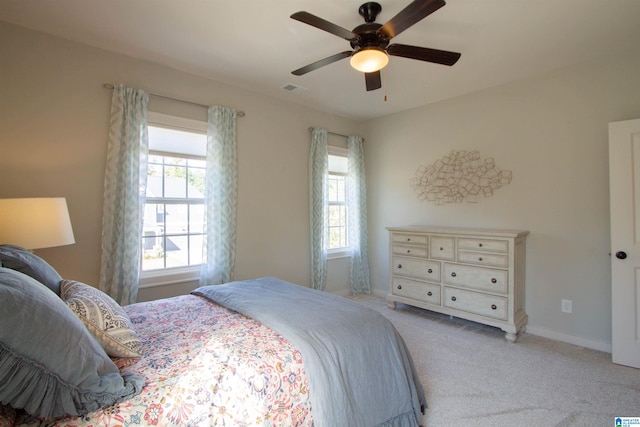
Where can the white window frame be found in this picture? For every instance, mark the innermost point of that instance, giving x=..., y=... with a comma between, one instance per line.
x=346, y=251
x=173, y=275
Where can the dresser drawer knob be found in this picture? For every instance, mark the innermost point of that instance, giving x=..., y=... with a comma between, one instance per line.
x=494, y=280
x=408, y=239
x=453, y=298
x=441, y=248
x=480, y=244
x=430, y=271
x=399, y=286
x=453, y=274
x=399, y=265
x=480, y=259
x=494, y=307
x=408, y=251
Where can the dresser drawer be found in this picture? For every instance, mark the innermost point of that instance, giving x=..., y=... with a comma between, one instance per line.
x=416, y=290
x=481, y=258
x=414, y=267
x=484, y=279
x=413, y=239
x=442, y=248
x=483, y=244
x=410, y=250
x=474, y=302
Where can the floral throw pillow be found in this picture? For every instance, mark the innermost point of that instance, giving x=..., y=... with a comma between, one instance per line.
x=103, y=317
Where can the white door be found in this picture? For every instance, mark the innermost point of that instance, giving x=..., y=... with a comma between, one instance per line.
x=624, y=183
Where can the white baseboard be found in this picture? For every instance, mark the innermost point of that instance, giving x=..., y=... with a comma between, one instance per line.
x=582, y=342
x=347, y=293
x=380, y=293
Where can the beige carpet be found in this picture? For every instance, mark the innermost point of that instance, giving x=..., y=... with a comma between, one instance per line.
x=473, y=377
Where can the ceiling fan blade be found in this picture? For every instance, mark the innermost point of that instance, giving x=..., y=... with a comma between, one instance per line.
x=321, y=63
x=373, y=80
x=324, y=25
x=416, y=11
x=424, y=54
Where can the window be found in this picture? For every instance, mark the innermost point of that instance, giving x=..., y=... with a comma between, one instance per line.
x=338, y=169
x=173, y=224
x=339, y=218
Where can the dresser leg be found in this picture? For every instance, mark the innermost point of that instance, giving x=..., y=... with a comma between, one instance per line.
x=511, y=337
x=392, y=305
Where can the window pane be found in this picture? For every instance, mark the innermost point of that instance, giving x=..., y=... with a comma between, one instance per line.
x=197, y=163
x=153, y=221
x=337, y=237
x=153, y=255
x=195, y=249
x=154, y=158
x=342, y=190
x=177, y=219
x=333, y=189
x=154, y=180
x=337, y=188
x=196, y=218
x=337, y=226
x=177, y=251
x=335, y=216
x=153, y=237
x=174, y=161
x=195, y=177
x=175, y=181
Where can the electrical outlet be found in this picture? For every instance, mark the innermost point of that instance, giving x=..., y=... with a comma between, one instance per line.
x=566, y=306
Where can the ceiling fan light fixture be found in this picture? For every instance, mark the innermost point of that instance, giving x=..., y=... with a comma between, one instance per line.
x=369, y=60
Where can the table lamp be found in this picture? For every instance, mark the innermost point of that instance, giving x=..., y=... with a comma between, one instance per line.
x=35, y=223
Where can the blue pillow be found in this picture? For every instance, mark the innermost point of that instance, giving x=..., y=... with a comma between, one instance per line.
x=50, y=365
x=24, y=261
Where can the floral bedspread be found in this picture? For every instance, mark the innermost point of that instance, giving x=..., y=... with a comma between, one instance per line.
x=204, y=365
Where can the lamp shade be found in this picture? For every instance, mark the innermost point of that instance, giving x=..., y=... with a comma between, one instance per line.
x=369, y=60
x=35, y=223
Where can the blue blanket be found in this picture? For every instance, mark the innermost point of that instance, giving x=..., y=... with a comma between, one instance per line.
x=359, y=369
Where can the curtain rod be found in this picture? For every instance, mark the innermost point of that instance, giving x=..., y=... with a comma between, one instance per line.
x=333, y=133
x=111, y=86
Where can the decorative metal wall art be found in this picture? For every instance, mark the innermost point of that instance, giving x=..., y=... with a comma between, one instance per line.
x=459, y=177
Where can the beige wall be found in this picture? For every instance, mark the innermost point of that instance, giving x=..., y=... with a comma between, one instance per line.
x=552, y=133
x=54, y=118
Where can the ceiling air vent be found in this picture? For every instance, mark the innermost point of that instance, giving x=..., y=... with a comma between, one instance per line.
x=290, y=87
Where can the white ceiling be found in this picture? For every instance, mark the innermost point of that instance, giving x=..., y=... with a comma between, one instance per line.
x=255, y=45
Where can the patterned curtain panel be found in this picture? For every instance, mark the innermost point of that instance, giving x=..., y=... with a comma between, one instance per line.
x=221, y=198
x=124, y=194
x=319, y=206
x=357, y=217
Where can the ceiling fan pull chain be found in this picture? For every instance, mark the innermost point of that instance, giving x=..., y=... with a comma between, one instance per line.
x=384, y=77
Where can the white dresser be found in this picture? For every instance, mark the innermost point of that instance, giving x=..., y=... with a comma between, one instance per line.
x=474, y=274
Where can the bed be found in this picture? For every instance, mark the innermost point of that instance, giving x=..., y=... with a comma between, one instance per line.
x=254, y=353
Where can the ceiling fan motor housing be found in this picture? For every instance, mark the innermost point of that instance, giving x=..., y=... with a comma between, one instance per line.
x=369, y=11
x=368, y=37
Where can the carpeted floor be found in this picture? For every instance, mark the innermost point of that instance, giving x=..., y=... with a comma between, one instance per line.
x=473, y=377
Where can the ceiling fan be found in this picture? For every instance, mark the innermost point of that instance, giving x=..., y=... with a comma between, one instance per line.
x=370, y=41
